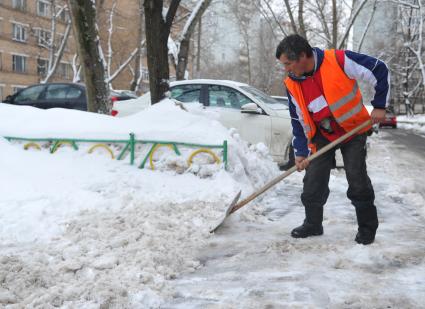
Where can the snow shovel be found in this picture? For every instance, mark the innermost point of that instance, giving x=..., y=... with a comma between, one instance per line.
x=234, y=206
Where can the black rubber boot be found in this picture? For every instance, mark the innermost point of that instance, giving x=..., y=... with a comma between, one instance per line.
x=367, y=218
x=312, y=225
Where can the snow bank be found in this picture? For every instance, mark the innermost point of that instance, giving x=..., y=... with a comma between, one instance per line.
x=162, y=121
x=416, y=123
x=248, y=166
x=81, y=230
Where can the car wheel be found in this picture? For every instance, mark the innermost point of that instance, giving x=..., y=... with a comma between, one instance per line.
x=291, y=158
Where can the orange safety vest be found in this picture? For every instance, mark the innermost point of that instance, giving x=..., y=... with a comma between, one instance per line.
x=341, y=93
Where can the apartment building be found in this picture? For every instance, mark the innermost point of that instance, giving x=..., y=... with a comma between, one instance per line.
x=25, y=30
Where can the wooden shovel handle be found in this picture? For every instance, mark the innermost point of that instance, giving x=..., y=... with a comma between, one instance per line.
x=294, y=168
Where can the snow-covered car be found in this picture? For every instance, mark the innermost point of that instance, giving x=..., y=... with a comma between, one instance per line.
x=256, y=116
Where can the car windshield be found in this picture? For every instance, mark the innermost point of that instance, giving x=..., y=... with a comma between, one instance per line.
x=259, y=95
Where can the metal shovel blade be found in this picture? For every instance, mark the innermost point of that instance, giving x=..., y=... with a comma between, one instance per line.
x=228, y=211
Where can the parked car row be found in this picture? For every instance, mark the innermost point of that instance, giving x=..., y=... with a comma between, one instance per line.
x=62, y=95
x=257, y=116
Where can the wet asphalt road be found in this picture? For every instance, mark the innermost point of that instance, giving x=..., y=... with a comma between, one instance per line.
x=412, y=142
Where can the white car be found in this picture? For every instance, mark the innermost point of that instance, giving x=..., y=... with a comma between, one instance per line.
x=280, y=99
x=256, y=116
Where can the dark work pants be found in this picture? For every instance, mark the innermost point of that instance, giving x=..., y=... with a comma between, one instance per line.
x=316, y=179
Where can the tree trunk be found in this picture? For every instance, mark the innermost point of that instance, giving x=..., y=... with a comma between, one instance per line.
x=136, y=76
x=184, y=38
x=83, y=15
x=291, y=16
x=198, y=50
x=183, y=58
x=334, y=25
x=157, y=32
x=302, y=31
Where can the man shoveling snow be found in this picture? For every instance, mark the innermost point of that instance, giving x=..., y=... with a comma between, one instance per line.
x=325, y=103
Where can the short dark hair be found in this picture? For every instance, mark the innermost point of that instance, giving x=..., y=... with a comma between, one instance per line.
x=293, y=46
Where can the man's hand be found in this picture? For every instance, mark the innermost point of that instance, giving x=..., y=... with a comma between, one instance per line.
x=301, y=163
x=377, y=115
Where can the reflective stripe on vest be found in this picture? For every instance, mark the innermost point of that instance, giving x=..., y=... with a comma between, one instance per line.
x=346, y=99
x=354, y=111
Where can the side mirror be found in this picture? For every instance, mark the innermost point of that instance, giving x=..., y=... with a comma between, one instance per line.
x=251, y=108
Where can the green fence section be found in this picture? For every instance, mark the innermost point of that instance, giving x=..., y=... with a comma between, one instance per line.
x=129, y=146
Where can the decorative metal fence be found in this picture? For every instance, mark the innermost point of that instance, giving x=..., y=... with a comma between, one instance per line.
x=129, y=146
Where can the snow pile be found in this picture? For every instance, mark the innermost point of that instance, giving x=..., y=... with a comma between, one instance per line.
x=416, y=123
x=162, y=121
x=81, y=230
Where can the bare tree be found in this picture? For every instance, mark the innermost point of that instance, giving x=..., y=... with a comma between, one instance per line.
x=366, y=29
x=49, y=40
x=244, y=13
x=138, y=63
x=301, y=26
x=316, y=19
x=408, y=69
x=111, y=75
x=83, y=15
x=183, y=41
x=158, y=23
x=291, y=16
x=205, y=56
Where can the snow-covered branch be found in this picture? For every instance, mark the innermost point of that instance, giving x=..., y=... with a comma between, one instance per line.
x=367, y=25
x=122, y=66
x=404, y=3
x=110, y=31
x=351, y=22
x=58, y=55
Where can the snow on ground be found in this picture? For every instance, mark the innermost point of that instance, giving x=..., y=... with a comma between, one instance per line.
x=258, y=264
x=83, y=231
x=416, y=123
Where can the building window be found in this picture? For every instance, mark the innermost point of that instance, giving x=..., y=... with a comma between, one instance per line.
x=19, y=33
x=1, y=93
x=42, y=65
x=19, y=4
x=43, y=8
x=43, y=37
x=19, y=63
x=64, y=70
